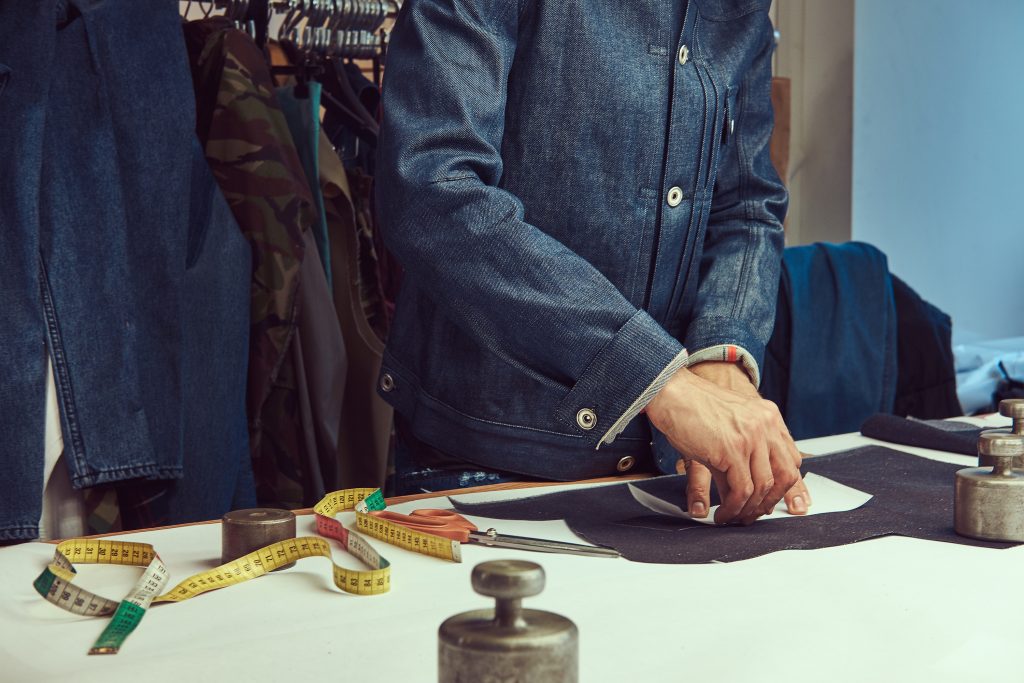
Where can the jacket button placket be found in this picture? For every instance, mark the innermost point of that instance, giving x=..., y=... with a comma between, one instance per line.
x=682, y=175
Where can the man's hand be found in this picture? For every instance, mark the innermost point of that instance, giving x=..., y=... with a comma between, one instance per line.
x=698, y=479
x=735, y=434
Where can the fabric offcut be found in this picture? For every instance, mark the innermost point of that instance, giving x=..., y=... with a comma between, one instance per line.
x=912, y=497
x=940, y=435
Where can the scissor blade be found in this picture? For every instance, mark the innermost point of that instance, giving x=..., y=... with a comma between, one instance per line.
x=496, y=540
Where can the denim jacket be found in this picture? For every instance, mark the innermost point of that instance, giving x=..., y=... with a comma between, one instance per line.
x=579, y=191
x=120, y=260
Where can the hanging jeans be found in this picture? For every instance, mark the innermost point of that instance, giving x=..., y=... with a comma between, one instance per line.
x=119, y=257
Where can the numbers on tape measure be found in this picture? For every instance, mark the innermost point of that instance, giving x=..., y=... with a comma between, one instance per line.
x=55, y=583
x=417, y=541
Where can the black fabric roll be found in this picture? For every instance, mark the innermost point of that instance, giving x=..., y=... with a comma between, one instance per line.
x=940, y=435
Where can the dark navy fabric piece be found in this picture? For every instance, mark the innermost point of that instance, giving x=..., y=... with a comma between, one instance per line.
x=912, y=497
x=831, y=361
x=956, y=437
x=926, y=381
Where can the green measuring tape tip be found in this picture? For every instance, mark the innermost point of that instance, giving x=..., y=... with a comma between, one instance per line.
x=374, y=501
x=44, y=582
x=124, y=621
x=55, y=585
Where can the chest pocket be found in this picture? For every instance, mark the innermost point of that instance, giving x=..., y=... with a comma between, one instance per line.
x=729, y=115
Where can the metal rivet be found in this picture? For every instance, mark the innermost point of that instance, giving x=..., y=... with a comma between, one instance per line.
x=387, y=382
x=684, y=54
x=626, y=463
x=675, y=197
x=586, y=419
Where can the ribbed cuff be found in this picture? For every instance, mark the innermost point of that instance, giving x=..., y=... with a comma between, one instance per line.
x=623, y=371
x=711, y=333
x=729, y=353
x=643, y=399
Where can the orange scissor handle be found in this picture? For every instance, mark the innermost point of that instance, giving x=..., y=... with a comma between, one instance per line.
x=444, y=523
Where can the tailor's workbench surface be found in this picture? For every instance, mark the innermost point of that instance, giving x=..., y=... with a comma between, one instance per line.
x=891, y=609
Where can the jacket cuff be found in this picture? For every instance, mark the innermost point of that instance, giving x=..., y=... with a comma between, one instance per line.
x=643, y=399
x=729, y=353
x=620, y=380
x=715, y=335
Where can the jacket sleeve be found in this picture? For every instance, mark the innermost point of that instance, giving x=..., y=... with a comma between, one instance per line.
x=735, y=309
x=520, y=293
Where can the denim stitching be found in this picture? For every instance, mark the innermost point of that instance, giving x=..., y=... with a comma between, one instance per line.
x=60, y=366
x=424, y=393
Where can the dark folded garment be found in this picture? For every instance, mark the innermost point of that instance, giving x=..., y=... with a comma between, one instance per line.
x=912, y=496
x=940, y=435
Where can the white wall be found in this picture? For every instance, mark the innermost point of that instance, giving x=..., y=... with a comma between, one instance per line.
x=938, y=153
x=816, y=51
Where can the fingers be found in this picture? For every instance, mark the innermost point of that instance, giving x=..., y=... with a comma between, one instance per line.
x=798, y=498
x=740, y=487
x=698, y=489
x=764, y=483
x=740, y=437
x=786, y=473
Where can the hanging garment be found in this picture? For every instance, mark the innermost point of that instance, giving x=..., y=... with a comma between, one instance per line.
x=96, y=241
x=253, y=157
x=318, y=350
x=366, y=421
x=303, y=117
x=831, y=360
x=389, y=271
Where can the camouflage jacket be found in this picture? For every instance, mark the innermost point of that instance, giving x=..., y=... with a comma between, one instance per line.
x=253, y=158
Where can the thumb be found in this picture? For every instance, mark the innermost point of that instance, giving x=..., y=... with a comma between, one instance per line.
x=698, y=489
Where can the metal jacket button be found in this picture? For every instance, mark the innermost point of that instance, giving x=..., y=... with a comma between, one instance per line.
x=626, y=463
x=684, y=54
x=586, y=419
x=387, y=382
x=675, y=197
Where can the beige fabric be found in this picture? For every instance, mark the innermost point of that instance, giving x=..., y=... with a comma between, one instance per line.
x=366, y=419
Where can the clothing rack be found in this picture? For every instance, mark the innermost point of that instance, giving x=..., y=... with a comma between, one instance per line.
x=337, y=28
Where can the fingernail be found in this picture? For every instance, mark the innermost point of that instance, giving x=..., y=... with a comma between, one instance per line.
x=798, y=504
x=771, y=510
x=698, y=509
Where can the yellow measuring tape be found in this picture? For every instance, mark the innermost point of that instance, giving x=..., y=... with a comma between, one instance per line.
x=409, y=539
x=56, y=582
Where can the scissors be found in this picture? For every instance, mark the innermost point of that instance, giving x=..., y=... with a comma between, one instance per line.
x=452, y=525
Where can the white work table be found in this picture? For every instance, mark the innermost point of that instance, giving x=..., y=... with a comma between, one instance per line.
x=890, y=609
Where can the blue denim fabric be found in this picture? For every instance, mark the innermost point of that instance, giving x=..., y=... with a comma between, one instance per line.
x=411, y=476
x=103, y=262
x=832, y=359
x=526, y=156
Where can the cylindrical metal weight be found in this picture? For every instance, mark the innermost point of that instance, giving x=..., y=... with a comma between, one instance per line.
x=989, y=503
x=243, y=531
x=508, y=643
x=1012, y=408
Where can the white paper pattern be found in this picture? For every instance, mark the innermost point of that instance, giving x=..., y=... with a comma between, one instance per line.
x=827, y=496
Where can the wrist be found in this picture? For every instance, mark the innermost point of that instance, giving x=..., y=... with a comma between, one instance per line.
x=660, y=407
x=726, y=374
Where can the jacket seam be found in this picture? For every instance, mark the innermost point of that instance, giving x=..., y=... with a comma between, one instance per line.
x=424, y=394
x=586, y=371
x=62, y=378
